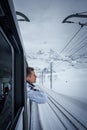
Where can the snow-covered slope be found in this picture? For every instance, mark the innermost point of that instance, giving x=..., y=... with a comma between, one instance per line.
x=69, y=73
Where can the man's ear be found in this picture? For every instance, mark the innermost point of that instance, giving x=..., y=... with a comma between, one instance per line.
x=28, y=78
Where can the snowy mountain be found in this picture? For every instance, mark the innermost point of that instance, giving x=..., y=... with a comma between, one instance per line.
x=46, y=57
x=69, y=73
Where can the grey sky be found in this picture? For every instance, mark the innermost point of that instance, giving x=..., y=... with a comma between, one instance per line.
x=45, y=31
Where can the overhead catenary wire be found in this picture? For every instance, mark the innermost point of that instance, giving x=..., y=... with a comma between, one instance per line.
x=77, y=45
x=82, y=12
x=62, y=51
x=82, y=45
x=70, y=56
x=81, y=38
x=70, y=40
x=81, y=24
x=78, y=49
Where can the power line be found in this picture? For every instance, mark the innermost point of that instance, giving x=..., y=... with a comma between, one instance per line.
x=77, y=45
x=81, y=15
x=76, y=42
x=73, y=53
x=82, y=12
x=70, y=40
x=81, y=24
x=78, y=49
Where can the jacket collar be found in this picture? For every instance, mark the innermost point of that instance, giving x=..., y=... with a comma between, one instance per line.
x=31, y=84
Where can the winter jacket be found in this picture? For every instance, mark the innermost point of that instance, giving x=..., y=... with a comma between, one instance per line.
x=35, y=94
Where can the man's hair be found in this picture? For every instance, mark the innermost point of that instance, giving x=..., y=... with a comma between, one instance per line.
x=28, y=70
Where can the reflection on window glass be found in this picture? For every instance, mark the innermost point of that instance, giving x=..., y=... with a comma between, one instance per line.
x=5, y=83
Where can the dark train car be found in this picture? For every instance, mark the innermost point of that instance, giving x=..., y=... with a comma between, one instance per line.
x=13, y=106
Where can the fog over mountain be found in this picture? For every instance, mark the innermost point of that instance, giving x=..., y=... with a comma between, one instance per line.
x=77, y=61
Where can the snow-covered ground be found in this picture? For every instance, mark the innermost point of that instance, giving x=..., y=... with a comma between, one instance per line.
x=70, y=82
x=69, y=75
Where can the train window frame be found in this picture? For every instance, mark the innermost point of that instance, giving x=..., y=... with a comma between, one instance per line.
x=11, y=100
x=10, y=28
x=16, y=112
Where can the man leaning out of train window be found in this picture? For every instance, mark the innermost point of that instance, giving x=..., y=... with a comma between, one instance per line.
x=33, y=93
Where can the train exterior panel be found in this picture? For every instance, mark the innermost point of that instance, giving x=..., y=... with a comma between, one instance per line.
x=13, y=101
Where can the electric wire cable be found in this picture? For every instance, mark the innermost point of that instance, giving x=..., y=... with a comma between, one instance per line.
x=70, y=40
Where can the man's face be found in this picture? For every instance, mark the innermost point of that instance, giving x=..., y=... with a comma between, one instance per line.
x=32, y=78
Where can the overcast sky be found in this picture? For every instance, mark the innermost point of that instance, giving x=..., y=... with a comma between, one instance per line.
x=45, y=29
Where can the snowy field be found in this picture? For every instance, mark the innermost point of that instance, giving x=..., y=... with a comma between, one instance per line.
x=71, y=82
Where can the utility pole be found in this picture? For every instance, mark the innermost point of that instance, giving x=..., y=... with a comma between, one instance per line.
x=51, y=75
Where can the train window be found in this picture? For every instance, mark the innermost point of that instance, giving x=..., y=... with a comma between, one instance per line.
x=5, y=82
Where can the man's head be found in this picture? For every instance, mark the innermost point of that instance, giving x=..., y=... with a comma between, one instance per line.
x=30, y=77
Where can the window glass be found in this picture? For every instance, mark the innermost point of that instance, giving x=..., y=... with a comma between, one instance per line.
x=5, y=82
